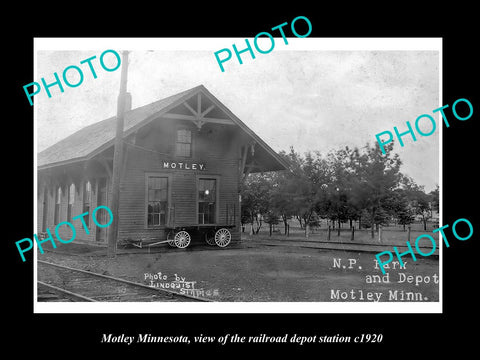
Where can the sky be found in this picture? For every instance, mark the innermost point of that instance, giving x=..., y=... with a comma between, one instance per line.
x=309, y=94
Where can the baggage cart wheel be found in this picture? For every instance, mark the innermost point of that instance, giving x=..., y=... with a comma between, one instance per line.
x=171, y=238
x=223, y=237
x=210, y=237
x=182, y=239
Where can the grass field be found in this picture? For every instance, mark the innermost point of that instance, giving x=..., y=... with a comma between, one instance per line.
x=390, y=235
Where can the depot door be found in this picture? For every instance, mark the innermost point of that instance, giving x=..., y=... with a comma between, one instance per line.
x=101, y=232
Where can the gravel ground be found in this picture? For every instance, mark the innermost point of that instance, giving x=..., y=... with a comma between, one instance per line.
x=273, y=273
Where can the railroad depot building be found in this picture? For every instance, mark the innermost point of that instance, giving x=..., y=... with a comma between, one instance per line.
x=184, y=160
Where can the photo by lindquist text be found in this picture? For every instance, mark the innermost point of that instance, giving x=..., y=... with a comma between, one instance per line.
x=280, y=173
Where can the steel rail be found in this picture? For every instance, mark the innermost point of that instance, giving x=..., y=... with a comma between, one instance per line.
x=173, y=293
x=63, y=291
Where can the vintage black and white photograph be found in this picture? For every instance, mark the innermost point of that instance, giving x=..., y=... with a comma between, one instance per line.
x=162, y=179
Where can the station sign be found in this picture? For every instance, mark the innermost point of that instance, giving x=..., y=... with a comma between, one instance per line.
x=183, y=165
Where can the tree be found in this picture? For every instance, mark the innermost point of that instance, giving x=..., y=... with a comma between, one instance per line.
x=405, y=217
x=271, y=218
x=255, y=200
x=434, y=198
x=310, y=174
x=377, y=176
x=346, y=185
x=401, y=208
x=342, y=205
x=281, y=199
x=420, y=202
x=422, y=207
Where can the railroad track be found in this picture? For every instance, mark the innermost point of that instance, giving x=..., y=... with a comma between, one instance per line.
x=63, y=283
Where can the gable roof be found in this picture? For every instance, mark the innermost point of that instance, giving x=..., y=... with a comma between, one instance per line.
x=94, y=138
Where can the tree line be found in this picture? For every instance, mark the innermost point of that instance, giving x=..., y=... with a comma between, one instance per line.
x=345, y=185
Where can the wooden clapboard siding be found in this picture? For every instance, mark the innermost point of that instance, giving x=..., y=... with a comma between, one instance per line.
x=65, y=231
x=132, y=195
x=215, y=146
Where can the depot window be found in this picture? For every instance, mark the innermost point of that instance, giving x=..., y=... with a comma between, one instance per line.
x=207, y=200
x=157, y=200
x=58, y=201
x=71, y=200
x=184, y=143
x=87, y=200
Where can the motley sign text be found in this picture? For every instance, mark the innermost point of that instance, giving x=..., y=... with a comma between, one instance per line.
x=183, y=165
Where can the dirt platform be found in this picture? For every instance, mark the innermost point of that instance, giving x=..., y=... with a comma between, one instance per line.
x=250, y=273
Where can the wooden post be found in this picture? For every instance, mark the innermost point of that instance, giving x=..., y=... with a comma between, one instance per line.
x=117, y=160
x=329, y=229
x=408, y=234
x=353, y=233
x=379, y=233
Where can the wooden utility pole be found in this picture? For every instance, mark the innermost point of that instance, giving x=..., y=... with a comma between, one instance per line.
x=117, y=160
